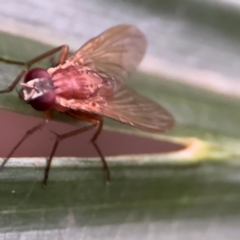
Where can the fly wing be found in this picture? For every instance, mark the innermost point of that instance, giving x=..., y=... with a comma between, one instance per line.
x=128, y=107
x=117, y=52
x=112, y=56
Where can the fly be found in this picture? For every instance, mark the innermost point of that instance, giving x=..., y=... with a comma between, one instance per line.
x=89, y=85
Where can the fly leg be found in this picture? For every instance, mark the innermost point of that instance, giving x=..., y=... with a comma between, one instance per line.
x=99, y=124
x=62, y=58
x=93, y=140
x=59, y=138
x=15, y=82
x=12, y=61
x=26, y=135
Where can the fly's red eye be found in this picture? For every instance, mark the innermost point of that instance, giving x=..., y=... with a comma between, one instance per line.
x=36, y=73
x=47, y=100
x=44, y=102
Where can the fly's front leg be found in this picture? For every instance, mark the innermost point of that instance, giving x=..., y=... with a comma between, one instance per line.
x=15, y=82
x=12, y=61
x=26, y=135
x=62, y=58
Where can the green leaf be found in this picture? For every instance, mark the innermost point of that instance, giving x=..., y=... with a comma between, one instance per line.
x=201, y=115
x=147, y=192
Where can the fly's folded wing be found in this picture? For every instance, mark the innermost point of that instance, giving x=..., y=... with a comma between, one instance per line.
x=117, y=52
x=112, y=56
x=128, y=107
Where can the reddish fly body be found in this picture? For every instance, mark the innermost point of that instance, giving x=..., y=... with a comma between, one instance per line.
x=89, y=85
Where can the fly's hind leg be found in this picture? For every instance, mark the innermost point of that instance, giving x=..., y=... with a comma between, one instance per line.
x=93, y=140
x=96, y=122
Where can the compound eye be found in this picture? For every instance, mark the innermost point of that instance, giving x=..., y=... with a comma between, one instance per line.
x=44, y=102
x=36, y=73
x=47, y=100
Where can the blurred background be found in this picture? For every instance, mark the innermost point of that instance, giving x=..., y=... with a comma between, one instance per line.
x=192, y=67
x=190, y=40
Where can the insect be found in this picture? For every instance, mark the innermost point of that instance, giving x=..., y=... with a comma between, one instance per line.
x=89, y=85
